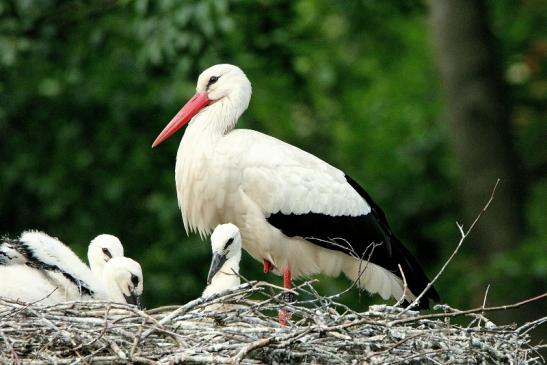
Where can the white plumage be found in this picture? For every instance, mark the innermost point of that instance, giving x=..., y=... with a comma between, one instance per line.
x=123, y=280
x=38, y=267
x=57, y=262
x=31, y=285
x=226, y=248
x=101, y=249
x=294, y=210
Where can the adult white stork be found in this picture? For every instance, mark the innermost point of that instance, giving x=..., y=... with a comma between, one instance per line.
x=296, y=213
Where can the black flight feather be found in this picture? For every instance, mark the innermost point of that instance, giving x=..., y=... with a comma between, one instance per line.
x=366, y=236
x=32, y=261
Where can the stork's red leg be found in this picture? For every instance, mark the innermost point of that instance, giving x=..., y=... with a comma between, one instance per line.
x=285, y=315
x=267, y=266
x=287, y=278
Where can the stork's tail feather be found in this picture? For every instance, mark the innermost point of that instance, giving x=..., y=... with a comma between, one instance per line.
x=415, y=277
x=375, y=279
x=388, y=283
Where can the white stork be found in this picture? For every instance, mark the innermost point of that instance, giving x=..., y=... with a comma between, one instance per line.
x=123, y=280
x=101, y=249
x=226, y=247
x=48, y=255
x=38, y=267
x=38, y=249
x=296, y=213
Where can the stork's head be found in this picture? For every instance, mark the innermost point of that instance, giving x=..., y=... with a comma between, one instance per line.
x=123, y=280
x=222, y=83
x=101, y=249
x=226, y=247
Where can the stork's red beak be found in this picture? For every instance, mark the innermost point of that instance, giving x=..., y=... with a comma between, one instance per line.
x=191, y=108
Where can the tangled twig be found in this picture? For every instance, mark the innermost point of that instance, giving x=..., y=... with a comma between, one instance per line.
x=243, y=329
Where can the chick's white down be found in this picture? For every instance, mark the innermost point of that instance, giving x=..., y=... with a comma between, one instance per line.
x=225, y=246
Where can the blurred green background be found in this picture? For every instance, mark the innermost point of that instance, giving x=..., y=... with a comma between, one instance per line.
x=85, y=87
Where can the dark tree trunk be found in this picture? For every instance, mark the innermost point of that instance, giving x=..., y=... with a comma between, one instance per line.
x=479, y=114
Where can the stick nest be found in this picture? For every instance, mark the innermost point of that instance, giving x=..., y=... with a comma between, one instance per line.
x=233, y=328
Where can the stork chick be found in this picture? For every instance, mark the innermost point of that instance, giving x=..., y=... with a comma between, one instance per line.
x=123, y=280
x=53, y=260
x=39, y=250
x=32, y=285
x=224, y=270
x=38, y=267
x=101, y=249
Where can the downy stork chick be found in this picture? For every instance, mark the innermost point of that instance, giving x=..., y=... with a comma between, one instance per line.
x=54, y=260
x=123, y=280
x=39, y=250
x=33, y=285
x=36, y=266
x=101, y=249
x=224, y=270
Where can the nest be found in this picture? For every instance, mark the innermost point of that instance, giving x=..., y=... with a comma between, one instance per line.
x=240, y=326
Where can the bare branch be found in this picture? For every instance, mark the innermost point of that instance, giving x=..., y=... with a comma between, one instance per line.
x=405, y=288
x=462, y=239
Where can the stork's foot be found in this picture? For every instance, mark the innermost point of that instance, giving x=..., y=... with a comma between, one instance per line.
x=288, y=297
x=284, y=317
x=267, y=266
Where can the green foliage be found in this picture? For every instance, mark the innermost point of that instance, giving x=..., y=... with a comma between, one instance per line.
x=86, y=87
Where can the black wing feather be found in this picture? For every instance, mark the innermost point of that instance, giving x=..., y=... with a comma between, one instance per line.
x=32, y=261
x=366, y=236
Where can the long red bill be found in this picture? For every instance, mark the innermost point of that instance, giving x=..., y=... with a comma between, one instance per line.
x=185, y=114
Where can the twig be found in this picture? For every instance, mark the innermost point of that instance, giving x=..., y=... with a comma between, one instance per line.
x=462, y=239
x=27, y=305
x=14, y=357
x=405, y=287
x=392, y=347
x=250, y=347
x=137, y=339
x=474, y=310
x=484, y=304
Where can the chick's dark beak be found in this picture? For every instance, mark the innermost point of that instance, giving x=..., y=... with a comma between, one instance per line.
x=216, y=264
x=133, y=298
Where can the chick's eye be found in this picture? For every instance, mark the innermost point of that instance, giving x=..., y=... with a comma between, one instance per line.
x=135, y=280
x=228, y=243
x=107, y=253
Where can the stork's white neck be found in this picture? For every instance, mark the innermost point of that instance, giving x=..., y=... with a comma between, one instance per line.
x=226, y=278
x=112, y=288
x=195, y=157
x=97, y=266
x=216, y=120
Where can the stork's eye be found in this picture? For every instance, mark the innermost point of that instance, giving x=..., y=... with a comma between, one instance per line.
x=135, y=279
x=212, y=80
x=106, y=251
